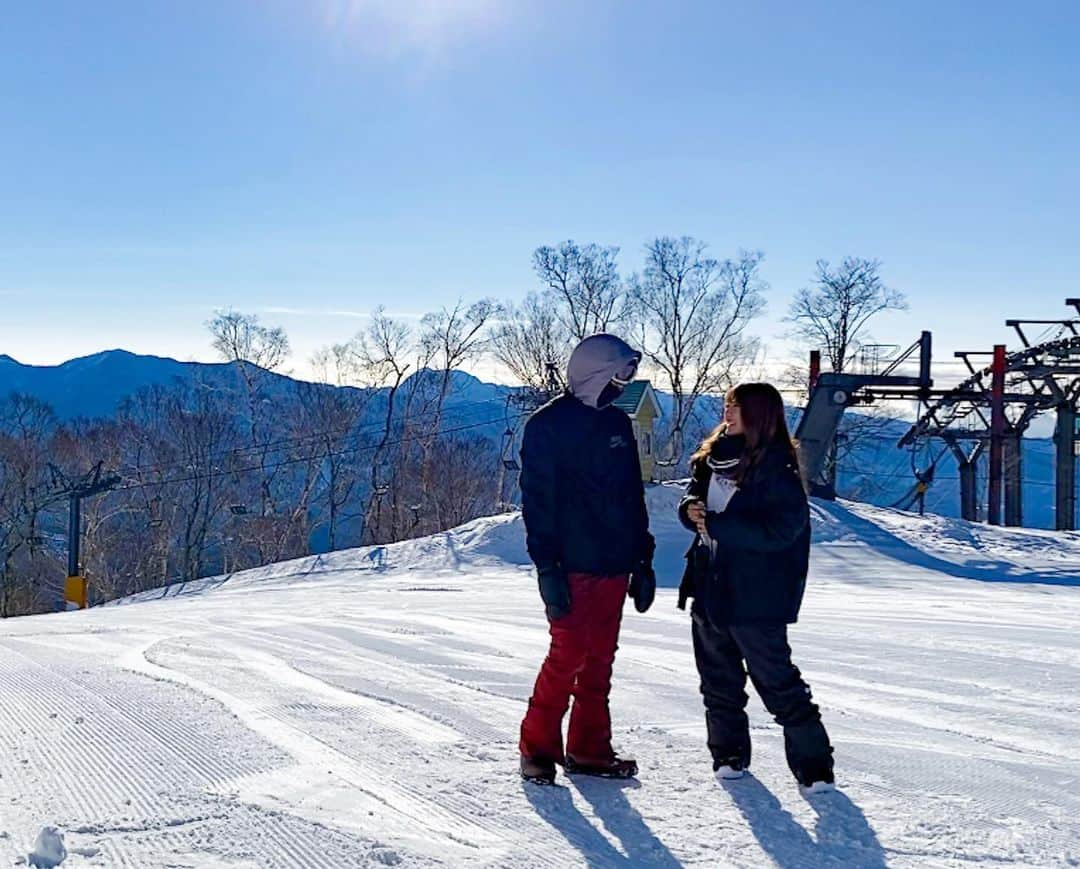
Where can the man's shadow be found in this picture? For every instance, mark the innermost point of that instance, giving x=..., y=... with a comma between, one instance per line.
x=844, y=837
x=609, y=802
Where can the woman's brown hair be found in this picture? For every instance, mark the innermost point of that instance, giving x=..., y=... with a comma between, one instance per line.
x=764, y=426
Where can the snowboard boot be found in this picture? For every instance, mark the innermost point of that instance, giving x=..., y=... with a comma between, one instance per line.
x=616, y=767
x=729, y=769
x=537, y=771
x=816, y=778
x=809, y=755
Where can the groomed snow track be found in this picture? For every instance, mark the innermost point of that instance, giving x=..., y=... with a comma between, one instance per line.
x=361, y=709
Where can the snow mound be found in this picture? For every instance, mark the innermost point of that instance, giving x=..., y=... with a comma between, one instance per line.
x=49, y=850
x=952, y=546
x=487, y=542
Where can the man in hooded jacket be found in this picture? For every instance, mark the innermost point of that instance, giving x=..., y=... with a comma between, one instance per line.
x=587, y=532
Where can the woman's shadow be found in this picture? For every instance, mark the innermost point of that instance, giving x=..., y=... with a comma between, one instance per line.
x=609, y=803
x=844, y=837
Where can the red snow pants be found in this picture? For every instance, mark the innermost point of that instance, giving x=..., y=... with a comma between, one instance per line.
x=578, y=665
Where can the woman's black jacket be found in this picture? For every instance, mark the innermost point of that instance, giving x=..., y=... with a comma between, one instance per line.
x=763, y=544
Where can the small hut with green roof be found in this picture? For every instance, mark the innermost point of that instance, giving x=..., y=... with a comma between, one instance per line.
x=640, y=404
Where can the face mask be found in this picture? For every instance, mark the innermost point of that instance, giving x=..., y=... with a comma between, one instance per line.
x=609, y=393
x=617, y=384
x=625, y=376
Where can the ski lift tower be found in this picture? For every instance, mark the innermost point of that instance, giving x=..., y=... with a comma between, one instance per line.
x=76, y=592
x=991, y=410
x=832, y=393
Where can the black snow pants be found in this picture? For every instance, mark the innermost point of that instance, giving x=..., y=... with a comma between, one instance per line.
x=720, y=651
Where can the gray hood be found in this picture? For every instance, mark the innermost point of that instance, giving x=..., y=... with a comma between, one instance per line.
x=594, y=362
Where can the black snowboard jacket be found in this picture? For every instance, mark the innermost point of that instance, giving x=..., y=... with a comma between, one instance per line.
x=582, y=496
x=763, y=545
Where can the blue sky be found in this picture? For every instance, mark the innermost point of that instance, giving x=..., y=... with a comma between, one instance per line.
x=310, y=159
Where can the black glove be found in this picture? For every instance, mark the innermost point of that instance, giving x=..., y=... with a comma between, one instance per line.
x=554, y=591
x=642, y=586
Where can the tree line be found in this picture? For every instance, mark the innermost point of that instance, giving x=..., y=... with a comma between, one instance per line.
x=237, y=470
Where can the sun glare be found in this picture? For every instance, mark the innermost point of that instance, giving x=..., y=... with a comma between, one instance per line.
x=426, y=27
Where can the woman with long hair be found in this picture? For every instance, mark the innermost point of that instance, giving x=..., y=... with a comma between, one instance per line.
x=747, y=503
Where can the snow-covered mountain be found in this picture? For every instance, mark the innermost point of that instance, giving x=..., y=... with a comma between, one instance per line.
x=361, y=709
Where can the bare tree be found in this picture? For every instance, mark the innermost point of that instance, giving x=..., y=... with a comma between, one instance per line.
x=405, y=460
x=241, y=337
x=255, y=350
x=450, y=338
x=530, y=338
x=834, y=314
x=584, y=280
x=692, y=315
x=26, y=428
x=329, y=418
x=462, y=488
x=379, y=355
x=186, y=440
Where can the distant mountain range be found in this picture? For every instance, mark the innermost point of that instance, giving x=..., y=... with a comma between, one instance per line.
x=93, y=387
x=876, y=472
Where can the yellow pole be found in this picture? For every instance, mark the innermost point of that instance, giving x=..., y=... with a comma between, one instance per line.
x=75, y=592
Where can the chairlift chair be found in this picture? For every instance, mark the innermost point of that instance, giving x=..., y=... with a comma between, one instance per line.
x=508, y=460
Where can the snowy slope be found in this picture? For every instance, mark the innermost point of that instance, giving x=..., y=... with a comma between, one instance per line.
x=361, y=709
